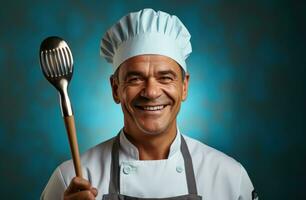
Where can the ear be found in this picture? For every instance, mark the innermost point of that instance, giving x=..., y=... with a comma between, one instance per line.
x=185, y=87
x=114, y=84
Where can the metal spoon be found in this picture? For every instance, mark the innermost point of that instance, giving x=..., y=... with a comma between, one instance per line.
x=57, y=66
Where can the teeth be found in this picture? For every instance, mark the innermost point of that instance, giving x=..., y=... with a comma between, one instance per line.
x=153, y=107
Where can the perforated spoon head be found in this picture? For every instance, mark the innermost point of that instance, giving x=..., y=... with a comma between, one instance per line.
x=56, y=61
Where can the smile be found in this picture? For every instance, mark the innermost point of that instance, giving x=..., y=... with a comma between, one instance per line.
x=152, y=108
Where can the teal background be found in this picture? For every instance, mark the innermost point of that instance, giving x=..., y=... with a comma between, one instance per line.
x=246, y=98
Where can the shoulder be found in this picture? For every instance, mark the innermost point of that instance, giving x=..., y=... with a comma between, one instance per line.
x=198, y=148
x=214, y=168
x=98, y=152
x=211, y=158
x=92, y=161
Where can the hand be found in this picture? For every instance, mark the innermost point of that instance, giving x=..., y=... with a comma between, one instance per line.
x=80, y=189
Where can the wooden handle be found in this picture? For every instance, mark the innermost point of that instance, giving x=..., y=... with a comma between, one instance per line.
x=70, y=127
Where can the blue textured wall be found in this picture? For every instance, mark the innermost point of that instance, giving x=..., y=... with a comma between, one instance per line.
x=247, y=91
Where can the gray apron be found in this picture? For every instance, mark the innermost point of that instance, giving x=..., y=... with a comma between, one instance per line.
x=115, y=172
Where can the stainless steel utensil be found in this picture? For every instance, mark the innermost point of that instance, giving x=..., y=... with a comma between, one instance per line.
x=57, y=65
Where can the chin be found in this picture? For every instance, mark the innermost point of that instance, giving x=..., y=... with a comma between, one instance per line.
x=151, y=130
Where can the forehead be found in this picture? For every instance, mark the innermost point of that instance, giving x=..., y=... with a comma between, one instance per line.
x=145, y=63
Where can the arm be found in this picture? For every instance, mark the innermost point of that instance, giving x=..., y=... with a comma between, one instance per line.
x=247, y=191
x=55, y=187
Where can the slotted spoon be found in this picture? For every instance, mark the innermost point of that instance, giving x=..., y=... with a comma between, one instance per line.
x=57, y=66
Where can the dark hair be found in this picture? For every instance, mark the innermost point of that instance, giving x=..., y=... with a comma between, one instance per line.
x=183, y=73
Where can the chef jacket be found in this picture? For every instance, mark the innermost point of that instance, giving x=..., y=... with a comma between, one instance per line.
x=218, y=176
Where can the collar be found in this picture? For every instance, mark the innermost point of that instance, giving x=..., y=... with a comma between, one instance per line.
x=131, y=151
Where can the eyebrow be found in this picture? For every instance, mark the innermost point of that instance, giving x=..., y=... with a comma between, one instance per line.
x=133, y=73
x=159, y=73
x=167, y=72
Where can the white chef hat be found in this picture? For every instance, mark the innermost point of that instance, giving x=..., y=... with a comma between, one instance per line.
x=146, y=32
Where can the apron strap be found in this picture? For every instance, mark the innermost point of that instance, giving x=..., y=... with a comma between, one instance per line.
x=114, y=186
x=114, y=183
x=191, y=183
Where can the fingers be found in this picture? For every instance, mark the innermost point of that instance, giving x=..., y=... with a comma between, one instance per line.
x=80, y=188
x=77, y=184
x=82, y=195
x=94, y=191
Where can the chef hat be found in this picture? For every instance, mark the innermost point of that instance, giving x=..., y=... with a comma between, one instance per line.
x=146, y=32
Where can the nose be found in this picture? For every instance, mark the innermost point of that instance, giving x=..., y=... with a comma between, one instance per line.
x=151, y=89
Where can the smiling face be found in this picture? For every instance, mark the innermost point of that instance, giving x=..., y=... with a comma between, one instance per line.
x=150, y=89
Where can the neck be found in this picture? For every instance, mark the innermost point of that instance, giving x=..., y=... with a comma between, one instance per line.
x=152, y=147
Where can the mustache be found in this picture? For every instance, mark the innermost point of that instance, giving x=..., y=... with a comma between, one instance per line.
x=162, y=100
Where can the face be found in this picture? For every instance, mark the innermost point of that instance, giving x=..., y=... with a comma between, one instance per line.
x=150, y=89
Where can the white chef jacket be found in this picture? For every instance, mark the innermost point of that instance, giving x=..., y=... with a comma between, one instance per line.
x=218, y=176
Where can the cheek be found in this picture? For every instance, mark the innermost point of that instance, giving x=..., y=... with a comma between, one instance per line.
x=174, y=91
x=128, y=94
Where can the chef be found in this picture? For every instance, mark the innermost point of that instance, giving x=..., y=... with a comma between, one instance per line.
x=150, y=158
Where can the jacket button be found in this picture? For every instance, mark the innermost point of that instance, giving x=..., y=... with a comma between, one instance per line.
x=127, y=169
x=179, y=169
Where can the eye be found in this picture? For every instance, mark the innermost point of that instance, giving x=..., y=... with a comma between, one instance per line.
x=166, y=79
x=134, y=80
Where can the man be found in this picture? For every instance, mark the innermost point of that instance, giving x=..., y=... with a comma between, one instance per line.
x=150, y=158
